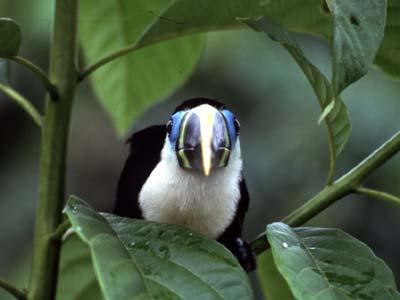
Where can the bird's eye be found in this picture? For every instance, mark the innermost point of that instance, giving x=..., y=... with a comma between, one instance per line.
x=237, y=126
x=169, y=126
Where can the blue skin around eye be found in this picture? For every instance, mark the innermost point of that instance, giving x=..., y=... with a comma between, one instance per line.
x=178, y=116
x=230, y=121
x=176, y=124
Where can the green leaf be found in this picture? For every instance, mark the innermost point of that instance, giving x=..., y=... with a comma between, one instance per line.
x=184, y=17
x=76, y=279
x=337, y=120
x=10, y=37
x=358, y=28
x=4, y=72
x=272, y=283
x=130, y=84
x=328, y=264
x=136, y=259
x=388, y=57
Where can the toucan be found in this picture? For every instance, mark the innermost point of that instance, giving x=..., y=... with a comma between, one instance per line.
x=189, y=172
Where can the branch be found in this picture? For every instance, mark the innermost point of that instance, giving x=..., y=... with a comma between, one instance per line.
x=60, y=231
x=339, y=189
x=106, y=59
x=371, y=193
x=23, y=103
x=50, y=87
x=18, y=294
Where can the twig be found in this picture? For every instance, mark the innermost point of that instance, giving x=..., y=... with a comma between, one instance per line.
x=60, y=231
x=377, y=195
x=339, y=189
x=50, y=87
x=17, y=293
x=23, y=103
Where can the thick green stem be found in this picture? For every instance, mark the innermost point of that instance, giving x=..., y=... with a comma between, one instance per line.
x=18, y=294
x=63, y=74
x=332, y=193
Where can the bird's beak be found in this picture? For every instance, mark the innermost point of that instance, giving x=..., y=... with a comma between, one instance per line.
x=204, y=143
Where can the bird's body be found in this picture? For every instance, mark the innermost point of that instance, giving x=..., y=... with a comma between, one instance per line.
x=154, y=186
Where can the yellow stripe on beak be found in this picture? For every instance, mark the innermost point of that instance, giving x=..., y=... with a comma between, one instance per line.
x=206, y=130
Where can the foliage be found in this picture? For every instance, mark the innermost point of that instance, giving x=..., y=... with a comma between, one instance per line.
x=133, y=259
x=140, y=51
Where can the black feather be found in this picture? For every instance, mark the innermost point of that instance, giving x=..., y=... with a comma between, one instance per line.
x=145, y=151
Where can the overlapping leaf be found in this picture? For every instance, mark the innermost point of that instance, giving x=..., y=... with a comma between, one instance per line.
x=135, y=259
x=327, y=264
x=130, y=84
x=310, y=16
x=337, y=120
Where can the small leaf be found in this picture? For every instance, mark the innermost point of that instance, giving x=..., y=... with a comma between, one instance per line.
x=272, y=283
x=337, y=120
x=10, y=37
x=358, y=28
x=130, y=84
x=136, y=259
x=328, y=264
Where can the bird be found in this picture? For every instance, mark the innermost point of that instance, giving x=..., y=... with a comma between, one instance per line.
x=189, y=172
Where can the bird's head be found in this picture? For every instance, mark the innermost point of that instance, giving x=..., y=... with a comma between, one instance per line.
x=202, y=133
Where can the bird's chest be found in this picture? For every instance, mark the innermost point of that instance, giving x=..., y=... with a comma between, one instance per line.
x=203, y=204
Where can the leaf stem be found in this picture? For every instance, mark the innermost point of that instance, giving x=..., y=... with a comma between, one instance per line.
x=371, y=193
x=23, y=103
x=17, y=293
x=339, y=189
x=63, y=57
x=106, y=59
x=60, y=231
x=50, y=87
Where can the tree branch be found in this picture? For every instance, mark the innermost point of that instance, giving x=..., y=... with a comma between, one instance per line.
x=49, y=86
x=17, y=293
x=23, y=103
x=339, y=189
x=371, y=193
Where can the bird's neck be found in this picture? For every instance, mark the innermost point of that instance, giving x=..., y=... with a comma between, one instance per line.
x=204, y=204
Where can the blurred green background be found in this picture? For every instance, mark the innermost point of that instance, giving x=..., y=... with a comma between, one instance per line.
x=284, y=148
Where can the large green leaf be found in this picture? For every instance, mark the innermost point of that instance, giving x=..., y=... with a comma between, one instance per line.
x=135, y=259
x=129, y=85
x=337, y=120
x=10, y=37
x=76, y=279
x=358, y=27
x=184, y=17
x=272, y=283
x=328, y=264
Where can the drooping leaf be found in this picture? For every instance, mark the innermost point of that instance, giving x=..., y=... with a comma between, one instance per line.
x=184, y=17
x=10, y=37
x=358, y=28
x=328, y=264
x=272, y=283
x=130, y=84
x=337, y=120
x=135, y=259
